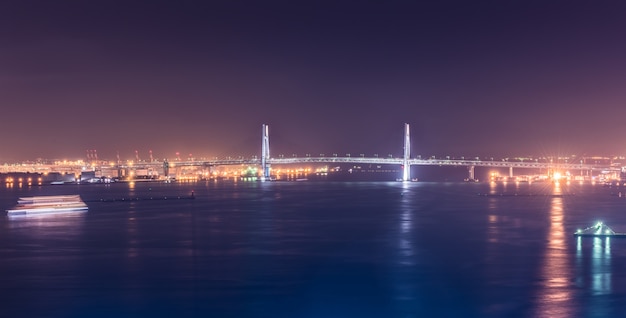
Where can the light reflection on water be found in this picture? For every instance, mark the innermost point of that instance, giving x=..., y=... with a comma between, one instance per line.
x=493, y=231
x=405, y=245
x=131, y=233
x=601, y=266
x=405, y=293
x=594, y=273
x=555, y=295
x=68, y=222
x=493, y=186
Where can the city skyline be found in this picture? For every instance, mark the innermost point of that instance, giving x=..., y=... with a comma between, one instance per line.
x=473, y=79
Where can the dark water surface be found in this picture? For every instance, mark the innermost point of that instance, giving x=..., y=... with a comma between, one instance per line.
x=316, y=249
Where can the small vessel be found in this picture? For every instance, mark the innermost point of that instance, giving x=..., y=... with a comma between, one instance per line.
x=598, y=230
x=48, y=204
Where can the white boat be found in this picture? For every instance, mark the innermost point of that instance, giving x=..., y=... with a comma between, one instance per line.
x=48, y=204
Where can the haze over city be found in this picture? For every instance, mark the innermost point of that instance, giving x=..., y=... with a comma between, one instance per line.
x=487, y=78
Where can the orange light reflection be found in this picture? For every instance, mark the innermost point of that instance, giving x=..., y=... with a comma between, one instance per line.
x=555, y=293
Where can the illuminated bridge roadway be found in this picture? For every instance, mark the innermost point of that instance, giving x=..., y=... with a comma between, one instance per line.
x=470, y=164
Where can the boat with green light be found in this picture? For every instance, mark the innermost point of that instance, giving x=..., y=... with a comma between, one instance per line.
x=598, y=230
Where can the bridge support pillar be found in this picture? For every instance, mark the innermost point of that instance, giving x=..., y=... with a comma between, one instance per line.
x=166, y=168
x=265, y=153
x=510, y=172
x=406, y=168
x=470, y=170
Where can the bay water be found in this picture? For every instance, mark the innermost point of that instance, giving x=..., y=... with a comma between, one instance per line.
x=316, y=249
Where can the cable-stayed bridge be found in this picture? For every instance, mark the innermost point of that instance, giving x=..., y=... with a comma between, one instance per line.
x=265, y=161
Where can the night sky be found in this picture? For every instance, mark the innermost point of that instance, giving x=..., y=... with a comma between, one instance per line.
x=473, y=78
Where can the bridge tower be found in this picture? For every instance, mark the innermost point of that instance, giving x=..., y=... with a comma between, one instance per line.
x=265, y=153
x=406, y=168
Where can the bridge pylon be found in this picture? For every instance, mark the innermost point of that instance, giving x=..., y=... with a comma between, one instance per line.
x=265, y=153
x=406, y=168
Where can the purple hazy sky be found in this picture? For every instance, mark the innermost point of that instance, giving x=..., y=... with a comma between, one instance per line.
x=473, y=78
